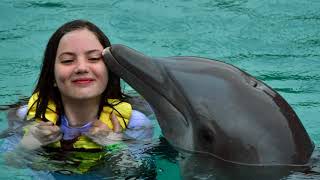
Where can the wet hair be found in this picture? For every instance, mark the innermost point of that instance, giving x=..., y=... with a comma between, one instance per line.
x=45, y=86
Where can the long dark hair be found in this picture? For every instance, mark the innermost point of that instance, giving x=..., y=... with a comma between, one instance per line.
x=45, y=85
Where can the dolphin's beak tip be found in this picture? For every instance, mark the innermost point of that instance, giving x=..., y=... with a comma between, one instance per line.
x=106, y=50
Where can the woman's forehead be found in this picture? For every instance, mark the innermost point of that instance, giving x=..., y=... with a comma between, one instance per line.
x=79, y=40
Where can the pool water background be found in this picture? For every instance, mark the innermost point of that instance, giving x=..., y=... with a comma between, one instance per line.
x=277, y=41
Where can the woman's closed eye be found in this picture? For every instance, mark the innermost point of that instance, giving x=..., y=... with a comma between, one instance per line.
x=95, y=58
x=94, y=55
x=67, y=61
x=66, y=58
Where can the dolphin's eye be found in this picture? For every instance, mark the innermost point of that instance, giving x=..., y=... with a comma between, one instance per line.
x=206, y=138
x=207, y=135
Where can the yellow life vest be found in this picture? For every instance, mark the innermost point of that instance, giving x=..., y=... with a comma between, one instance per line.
x=123, y=111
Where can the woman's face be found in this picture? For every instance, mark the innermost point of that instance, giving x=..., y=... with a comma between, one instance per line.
x=79, y=70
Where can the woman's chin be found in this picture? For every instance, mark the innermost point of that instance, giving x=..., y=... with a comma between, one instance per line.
x=84, y=95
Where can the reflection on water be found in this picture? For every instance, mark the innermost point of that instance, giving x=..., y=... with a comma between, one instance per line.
x=130, y=160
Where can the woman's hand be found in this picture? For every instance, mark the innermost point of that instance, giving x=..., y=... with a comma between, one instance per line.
x=100, y=127
x=103, y=135
x=41, y=134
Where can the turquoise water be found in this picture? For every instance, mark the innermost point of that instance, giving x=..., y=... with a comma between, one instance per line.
x=277, y=41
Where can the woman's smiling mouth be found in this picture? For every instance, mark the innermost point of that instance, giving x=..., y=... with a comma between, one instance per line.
x=82, y=81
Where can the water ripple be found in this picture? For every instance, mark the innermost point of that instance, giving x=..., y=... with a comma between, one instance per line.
x=41, y=4
x=18, y=66
x=311, y=41
x=284, y=76
x=308, y=104
x=253, y=56
x=290, y=90
x=235, y=6
x=11, y=34
x=312, y=16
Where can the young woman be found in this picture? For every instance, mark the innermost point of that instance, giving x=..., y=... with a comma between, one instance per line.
x=77, y=98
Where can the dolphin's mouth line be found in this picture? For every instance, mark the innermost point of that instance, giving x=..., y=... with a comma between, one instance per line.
x=307, y=165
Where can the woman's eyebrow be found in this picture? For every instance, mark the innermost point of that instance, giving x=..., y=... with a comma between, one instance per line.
x=66, y=53
x=93, y=51
x=87, y=53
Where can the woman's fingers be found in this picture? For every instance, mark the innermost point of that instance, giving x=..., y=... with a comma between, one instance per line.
x=99, y=127
x=46, y=131
x=47, y=128
x=54, y=138
x=43, y=124
x=116, y=125
x=41, y=134
x=103, y=135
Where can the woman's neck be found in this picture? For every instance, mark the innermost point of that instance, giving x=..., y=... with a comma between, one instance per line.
x=80, y=112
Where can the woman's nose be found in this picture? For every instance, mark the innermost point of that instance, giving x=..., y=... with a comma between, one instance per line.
x=82, y=65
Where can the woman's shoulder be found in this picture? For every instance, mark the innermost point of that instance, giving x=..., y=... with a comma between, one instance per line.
x=22, y=111
x=139, y=127
x=139, y=119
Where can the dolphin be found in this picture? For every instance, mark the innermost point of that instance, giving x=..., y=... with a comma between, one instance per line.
x=214, y=108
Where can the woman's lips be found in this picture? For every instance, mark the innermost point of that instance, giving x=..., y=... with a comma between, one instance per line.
x=83, y=81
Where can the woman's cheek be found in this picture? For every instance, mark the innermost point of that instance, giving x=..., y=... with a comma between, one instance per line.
x=60, y=77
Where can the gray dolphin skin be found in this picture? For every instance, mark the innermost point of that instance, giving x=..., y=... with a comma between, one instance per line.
x=210, y=107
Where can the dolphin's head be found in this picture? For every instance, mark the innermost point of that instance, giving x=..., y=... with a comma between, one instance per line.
x=212, y=107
